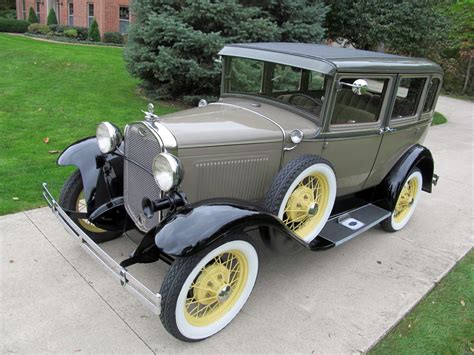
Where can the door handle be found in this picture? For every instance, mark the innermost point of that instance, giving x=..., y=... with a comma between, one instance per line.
x=387, y=130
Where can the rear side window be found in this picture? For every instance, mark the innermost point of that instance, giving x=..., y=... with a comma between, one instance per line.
x=353, y=109
x=430, y=98
x=408, y=96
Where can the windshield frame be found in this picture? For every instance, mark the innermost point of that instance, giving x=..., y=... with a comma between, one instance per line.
x=225, y=82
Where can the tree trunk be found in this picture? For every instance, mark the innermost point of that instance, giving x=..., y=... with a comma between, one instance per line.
x=468, y=74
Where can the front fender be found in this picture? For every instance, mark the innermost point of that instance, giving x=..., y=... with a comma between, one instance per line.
x=195, y=227
x=82, y=154
x=99, y=188
x=417, y=156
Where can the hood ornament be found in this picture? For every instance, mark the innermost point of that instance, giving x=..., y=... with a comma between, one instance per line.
x=150, y=115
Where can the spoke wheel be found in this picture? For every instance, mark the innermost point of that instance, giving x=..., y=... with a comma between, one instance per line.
x=81, y=206
x=406, y=203
x=202, y=293
x=72, y=199
x=307, y=203
x=217, y=288
x=302, y=195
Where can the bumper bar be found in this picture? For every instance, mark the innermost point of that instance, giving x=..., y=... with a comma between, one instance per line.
x=145, y=295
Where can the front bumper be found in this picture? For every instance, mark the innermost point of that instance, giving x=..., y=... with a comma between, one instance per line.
x=145, y=295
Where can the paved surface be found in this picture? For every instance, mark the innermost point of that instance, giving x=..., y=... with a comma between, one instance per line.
x=55, y=298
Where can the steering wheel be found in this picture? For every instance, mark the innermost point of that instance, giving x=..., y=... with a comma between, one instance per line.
x=317, y=102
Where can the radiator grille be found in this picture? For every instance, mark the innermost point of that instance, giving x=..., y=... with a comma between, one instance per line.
x=141, y=147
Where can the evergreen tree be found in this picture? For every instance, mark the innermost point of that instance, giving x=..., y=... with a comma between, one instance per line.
x=52, y=19
x=94, y=34
x=172, y=44
x=32, y=18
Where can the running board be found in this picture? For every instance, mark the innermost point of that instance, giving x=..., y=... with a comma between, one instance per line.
x=348, y=225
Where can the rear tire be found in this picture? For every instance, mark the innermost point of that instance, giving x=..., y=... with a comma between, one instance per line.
x=406, y=203
x=71, y=199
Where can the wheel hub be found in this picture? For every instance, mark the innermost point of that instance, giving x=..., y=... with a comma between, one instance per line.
x=211, y=285
x=224, y=293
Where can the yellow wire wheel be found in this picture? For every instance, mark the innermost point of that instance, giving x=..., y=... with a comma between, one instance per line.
x=406, y=202
x=217, y=288
x=302, y=195
x=81, y=206
x=202, y=293
x=306, y=205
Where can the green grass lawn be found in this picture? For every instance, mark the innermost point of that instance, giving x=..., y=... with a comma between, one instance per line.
x=438, y=118
x=443, y=323
x=60, y=92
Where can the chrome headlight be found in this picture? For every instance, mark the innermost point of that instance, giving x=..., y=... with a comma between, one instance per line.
x=167, y=171
x=108, y=137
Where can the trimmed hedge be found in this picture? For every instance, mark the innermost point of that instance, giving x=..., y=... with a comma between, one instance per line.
x=113, y=37
x=94, y=34
x=32, y=18
x=13, y=26
x=39, y=28
x=52, y=19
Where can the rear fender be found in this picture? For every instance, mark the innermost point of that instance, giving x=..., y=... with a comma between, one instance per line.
x=418, y=156
x=193, y=228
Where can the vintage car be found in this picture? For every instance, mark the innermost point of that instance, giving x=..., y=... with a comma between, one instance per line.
x=308, y=145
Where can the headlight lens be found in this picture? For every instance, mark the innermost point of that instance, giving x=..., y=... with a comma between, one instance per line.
x=108, y=137
x=167, y=171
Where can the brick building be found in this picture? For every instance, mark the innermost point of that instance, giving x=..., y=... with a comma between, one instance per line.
x=111, y=15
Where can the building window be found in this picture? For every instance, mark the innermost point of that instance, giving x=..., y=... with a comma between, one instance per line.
x=38, y=4
x=23, y=7
x=70, y=14
x=124, y=18
x=90, y=14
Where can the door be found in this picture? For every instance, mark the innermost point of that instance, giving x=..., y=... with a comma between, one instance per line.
x=352, y=134
x=403, y=127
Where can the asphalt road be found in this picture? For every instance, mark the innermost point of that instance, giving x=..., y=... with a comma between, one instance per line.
x=54, y=297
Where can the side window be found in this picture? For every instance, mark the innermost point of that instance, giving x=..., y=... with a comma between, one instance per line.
x=286, y=78
x=352, y=109
x=431, y=96
x=316, y=81
x=408, y=96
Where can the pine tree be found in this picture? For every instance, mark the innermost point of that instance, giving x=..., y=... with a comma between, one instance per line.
x=172, y=44
x=94, y=34
x=52, y=19
x=32, y=18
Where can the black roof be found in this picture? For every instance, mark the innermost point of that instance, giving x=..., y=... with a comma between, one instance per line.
x=330, y=58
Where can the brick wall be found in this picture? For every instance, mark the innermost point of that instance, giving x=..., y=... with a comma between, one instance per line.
x=106, y=12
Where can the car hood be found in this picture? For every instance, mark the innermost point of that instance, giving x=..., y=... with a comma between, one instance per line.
x=234, y=121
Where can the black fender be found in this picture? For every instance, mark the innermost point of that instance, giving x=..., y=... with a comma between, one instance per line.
x=193, y=228
x=102, y=178
x=417, y=156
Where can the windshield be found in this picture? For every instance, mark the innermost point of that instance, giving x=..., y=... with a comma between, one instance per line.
x=301, y=88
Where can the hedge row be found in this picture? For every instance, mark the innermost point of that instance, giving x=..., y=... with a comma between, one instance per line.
x=13, y=26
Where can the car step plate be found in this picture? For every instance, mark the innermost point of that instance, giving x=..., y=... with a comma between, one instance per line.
x=348, y=225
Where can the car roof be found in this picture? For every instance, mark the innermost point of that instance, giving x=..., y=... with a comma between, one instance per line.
x=329, y=59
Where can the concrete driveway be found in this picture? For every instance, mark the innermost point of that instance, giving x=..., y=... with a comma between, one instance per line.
x=54, y=297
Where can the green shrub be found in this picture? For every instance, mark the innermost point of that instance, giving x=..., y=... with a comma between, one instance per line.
x=113, y=37
x=13, y=26
x=32, y=18
x=70, y=33
x=52, y=19
x=94, y=34
x=11, y=14
x=39, y=28
x=58, y=29
x=82, y=32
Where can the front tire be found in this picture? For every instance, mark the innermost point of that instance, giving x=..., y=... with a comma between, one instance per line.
x=406, y=203
x=72, y=198
x=202, y=293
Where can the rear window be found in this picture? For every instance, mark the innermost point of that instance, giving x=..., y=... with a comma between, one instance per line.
x=431, y=96
x=408, y=96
